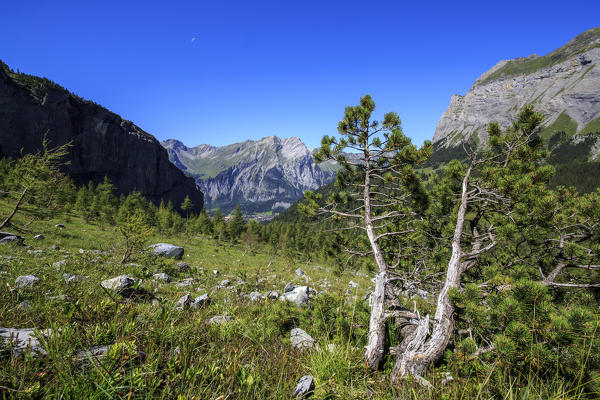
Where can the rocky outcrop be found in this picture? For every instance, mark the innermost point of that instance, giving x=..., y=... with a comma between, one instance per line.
x=103, y=144
x=264, y=175
x=563, y=85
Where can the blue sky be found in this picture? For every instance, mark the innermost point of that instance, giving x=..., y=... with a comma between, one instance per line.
x=286, y=68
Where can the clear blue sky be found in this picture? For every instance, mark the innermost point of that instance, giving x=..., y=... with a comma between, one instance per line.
x=286, y=68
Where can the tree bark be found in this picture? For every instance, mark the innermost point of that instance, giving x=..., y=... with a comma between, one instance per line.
x=421, y=349
x=376, y=340
x=15, y=209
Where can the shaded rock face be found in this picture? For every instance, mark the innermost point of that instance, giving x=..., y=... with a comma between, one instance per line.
x=103, y=144
x=264, y=175
x=566, y=81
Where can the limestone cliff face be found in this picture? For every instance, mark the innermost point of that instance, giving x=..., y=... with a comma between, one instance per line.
x=565, y=82
x=103, y=143
x=263, y=175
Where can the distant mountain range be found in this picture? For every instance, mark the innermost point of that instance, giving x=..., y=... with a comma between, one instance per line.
x=262, y=176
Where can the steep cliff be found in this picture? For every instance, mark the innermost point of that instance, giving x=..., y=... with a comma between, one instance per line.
x=103, y=144
x=564, y=85
x=264, y=175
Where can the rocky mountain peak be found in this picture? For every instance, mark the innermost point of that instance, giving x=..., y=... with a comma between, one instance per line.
x=563, y=85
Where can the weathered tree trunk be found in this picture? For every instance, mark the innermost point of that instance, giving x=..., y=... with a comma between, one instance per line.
x=421, y=350
x=15, y=208
x=376, y=339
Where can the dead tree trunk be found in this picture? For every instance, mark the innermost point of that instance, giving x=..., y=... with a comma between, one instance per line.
x=422, y=349
x=15, y=209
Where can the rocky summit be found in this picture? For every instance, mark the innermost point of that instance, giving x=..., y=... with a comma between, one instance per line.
x=261, y=176
x=102, y=143
x=563, y=85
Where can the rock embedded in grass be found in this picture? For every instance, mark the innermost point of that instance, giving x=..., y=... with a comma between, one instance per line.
x=255, y=296
x=220, y=319
x=59, y=226
x=119, y=283
x=184, y=301
x=183, y=266
x=161, y=277
x=300, y=272
x=288, y=288
x=22, y=340
x=59, y=263
x=167, y=250
x=26, y=281
x=301, y=340
x=305, y=387
x=185, y=282
x=200, y=301
x=38, y=237
x=74, y=278
x=299, y=295
x=273, y=294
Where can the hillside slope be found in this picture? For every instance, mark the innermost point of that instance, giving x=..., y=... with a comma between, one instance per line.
x=103, y=144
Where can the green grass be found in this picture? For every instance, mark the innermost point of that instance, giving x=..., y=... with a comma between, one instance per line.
x=592, y=127
x=563, y=123
x=157, y=351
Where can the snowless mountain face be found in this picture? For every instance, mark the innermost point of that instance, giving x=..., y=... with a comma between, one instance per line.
x=564, y=85
x=261, y=176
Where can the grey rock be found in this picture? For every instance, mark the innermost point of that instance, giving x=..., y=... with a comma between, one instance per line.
x=305, y=387
x=74, y=278
x=255, y=296
x=119, y=283
x=186, y=282
x=26, y=281
x=91, y=353
x=60, y=297
x=301, y=340
x=183, y=266
x=38, y=251
x=59, y=263
x=215, y=272
x=22, y=340
x=167, y=250
x=54, y=247
x=353, y=284
x=201, y=301
x=161, y=277
x=288, y=288
x=59, y=226
x=300, y=272
x=273, y=294
x=184, y=301
x=38, y=237
x=223, y=284
x=300, y=295
x=6, y=237
x=220, y=319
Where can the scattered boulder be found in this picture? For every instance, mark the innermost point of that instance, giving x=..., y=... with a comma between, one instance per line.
x=200, y=301
x=54, y=247
x=215, y=272
x=186, y=282
x=301, y=340
x=183, y=266
x=288, y=288
x=223, y=284
x=92, y=352
x=59, y=263
x=255, y=296
x=22, y=340
x=305, y=387
x=184, y=301
x=220, y=319
x=59, y=226
x=273, y=294
x=74, y=278
x=6, y=237
x=25, y=305
x=299, y=295
x=353, y=284
x=167, y=250
x=26, y=281
x=61, y=297
x=119, y=283
x=300, y=272
x=161, y=277
x=35, y=251
x=38, y=237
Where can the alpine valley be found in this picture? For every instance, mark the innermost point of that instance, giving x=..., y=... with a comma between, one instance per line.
x=262, y=176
